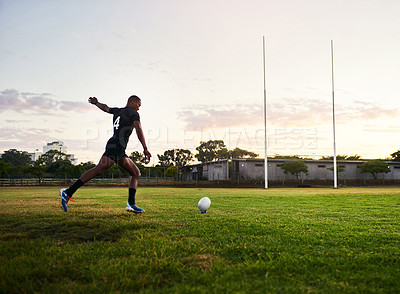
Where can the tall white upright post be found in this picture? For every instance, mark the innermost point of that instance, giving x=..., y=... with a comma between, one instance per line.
x=333, y=121
x=265, y=120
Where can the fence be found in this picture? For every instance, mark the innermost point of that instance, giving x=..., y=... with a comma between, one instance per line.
x=95, y=181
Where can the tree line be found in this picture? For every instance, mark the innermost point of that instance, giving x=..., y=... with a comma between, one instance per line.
x=18, y=164
x=55, y=164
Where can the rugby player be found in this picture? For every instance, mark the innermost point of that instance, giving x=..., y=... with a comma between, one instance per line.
x=124, y=121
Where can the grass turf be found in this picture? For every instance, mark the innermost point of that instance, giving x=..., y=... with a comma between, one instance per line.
x=250, y=241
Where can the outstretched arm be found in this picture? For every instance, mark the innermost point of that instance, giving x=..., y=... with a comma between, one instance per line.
x=140, y=135
x=104, y=107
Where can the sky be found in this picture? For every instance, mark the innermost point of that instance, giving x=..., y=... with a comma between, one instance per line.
x=198, y=68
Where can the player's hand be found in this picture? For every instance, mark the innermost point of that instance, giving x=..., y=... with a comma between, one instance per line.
x=147, y=155
x=93, y=100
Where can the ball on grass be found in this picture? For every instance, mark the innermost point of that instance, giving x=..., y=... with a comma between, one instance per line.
x=204, y=204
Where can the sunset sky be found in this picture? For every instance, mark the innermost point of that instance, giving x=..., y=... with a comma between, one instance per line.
x=197, y=65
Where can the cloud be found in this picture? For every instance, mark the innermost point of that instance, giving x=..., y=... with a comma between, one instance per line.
x=288, y=112
x=365, y=111
x=304, y=112
x=74, y=106
x=43, y=103
x=24, y=137
x=13, y=121
x=221, y=116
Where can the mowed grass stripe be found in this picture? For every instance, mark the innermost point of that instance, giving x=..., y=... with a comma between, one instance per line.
x=250, y=241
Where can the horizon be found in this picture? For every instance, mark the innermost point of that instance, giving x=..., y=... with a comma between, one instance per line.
x=275, y=156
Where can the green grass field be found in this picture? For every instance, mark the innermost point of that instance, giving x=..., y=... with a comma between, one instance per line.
x=250, y=241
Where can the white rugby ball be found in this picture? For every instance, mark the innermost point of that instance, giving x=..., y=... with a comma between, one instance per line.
x=204, y=204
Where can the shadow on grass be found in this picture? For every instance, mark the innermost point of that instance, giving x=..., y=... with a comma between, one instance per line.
x=71, y=231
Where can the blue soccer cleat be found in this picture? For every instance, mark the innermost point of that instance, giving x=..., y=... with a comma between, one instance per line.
x=133, y=208
x=64, y=199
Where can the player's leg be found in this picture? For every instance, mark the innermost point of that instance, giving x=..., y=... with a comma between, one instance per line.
x=66, y=194
x=104, y=164
x=127, y=164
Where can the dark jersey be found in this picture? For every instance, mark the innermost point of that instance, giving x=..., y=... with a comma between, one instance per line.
x=123, y=119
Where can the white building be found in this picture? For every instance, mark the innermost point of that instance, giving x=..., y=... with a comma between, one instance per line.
x=59, y=146
x=35, y=154
x=55, y=145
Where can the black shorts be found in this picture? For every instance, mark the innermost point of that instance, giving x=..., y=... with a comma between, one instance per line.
x=115, y=152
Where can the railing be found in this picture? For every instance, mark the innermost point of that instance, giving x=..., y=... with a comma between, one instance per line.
x=95, y=181
x=145, y=181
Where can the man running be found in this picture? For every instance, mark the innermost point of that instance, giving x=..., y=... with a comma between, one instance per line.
x=124, y=121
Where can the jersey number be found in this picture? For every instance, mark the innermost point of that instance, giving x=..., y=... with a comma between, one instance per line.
x=116, y=123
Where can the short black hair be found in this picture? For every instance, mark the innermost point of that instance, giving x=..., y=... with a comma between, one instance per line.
x=134, y=98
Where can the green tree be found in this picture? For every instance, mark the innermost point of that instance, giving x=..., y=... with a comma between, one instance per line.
x=183, y=157
x=88, y=165
x=16, y=158
x=241, y=153
x=138, y=158
x=50, y=157
x=294, y=167
x=223, y=153
x=396, y=156
x=338, y=170
x=115, y=172
x=354, y=157
x=342, y=157
x=375, y=167
x=74, y=171
x=211, y=150
x=295, y=157
x=157, y=171
x=38, y=171
x=60, y=168
x=177, y=157
x=167, y=159
x=19, y=171
x=172, y=171
x=4, y=168
x=56, y=164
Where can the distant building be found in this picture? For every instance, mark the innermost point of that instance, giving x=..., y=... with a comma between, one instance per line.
x=55, y=145
x=59, y=146
x=35, y=154
x=211, y=171
x=253, y=169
